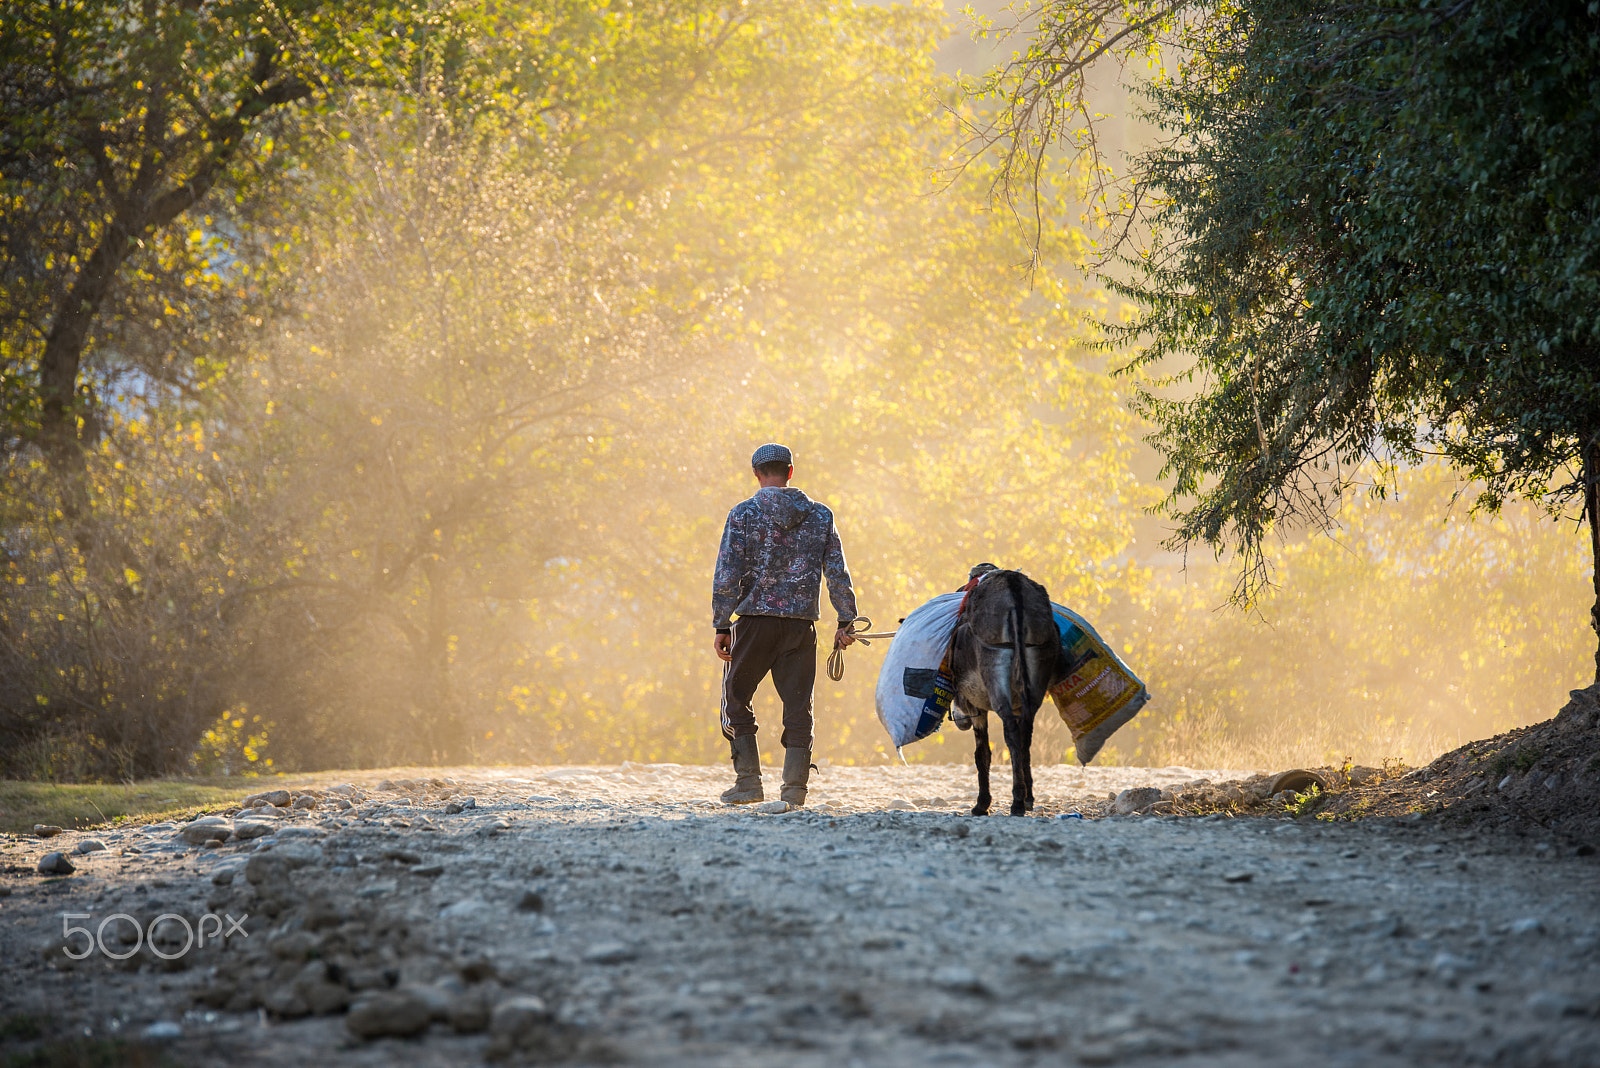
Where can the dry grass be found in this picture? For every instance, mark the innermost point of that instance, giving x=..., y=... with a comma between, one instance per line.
x=81, y=805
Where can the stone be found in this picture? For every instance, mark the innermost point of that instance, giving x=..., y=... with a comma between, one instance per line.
x=1238, y=876
x=318, y=990
x=898, y=804
x=438, y=1000
x=163, y=1031
x=249, y=829
x=463, y=909
x=381, y=888
x=471, y=1010
x=958, y=977
x=427, y=871
x=388, y=1013
x=46, y=830
x=1527, y=925
x=531, y=901
x=294, y=854
x=311, y=833
x=1550, y=1005
x=776, y=806
x=1134, y=800
x=89, y=845
x=517, y=1019
x=206, y=828
x=55, y=864
x=608, y=953
x=305, y=801
x=279, y=798
x=223, y=874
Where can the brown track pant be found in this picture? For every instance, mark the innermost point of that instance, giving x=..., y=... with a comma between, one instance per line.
x=788, y=649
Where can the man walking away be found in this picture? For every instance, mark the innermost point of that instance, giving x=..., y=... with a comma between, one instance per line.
x=776, y=548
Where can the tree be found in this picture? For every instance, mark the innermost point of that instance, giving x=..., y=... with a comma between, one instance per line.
x=117, y=121
x=1373, y=232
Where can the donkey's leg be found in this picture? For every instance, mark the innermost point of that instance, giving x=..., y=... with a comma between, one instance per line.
x=1019, y=763
x=1025, y=739
x=981, y=755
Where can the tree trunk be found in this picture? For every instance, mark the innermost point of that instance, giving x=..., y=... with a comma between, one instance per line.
x=1591, y=508
x=63, y=348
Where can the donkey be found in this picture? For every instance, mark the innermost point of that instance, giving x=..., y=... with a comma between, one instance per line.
x=1005, y=653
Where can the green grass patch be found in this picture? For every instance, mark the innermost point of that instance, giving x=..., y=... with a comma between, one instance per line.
x=81, y=805
x=1527, y=757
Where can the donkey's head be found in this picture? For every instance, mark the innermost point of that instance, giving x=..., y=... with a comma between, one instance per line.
x=1017, y=642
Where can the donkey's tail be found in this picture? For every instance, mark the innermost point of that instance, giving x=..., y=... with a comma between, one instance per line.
x=1020, y=681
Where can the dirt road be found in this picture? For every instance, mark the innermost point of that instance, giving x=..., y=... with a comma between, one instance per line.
x=619, y=915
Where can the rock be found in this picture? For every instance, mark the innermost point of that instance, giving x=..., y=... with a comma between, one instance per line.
x=381, y=888
x=427, y=871
x=532, y=901
x=89, y=845
x=205, y=829
x=518, y=1019
x=224, y=873
x=299, y=853
x=249, y=829
x=452, y=808
x=401, y=856
x=1297, y=780
x=898, y=804
x=305, y=801
x=318, y=990
x=1527, y=925
x=1550, y=1005
x=55, y=864
x=279, y=798
x=1134, y=800
x=958, y=977
x=471, y=1010
x=46, y=830
x=438, y=1000
x=1238, y=876
x=311, y=833
x=163, y=1031
x=776, y=806
x=388, y=1013
x=608, y=953
x=463, y=908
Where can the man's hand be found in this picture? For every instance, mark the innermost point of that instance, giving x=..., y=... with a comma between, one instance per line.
x=724, y=646
x=842, y=638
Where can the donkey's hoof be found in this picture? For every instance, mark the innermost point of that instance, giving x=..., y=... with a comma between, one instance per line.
x=980, y=810
x=1018, y=810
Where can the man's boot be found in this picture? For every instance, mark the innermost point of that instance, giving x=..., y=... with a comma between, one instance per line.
x=747, y=769
x=796, y=774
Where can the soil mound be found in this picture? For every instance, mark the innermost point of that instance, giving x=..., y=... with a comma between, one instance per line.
x=1547, y=774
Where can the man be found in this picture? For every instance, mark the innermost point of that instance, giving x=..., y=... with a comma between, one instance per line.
x=776, y=548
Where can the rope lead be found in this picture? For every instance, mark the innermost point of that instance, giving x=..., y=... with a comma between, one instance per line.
x=836, y=658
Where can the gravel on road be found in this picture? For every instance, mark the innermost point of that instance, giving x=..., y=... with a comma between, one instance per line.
x=610, y=915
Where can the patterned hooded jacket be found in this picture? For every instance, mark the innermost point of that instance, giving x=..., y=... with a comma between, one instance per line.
x=776, y=548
